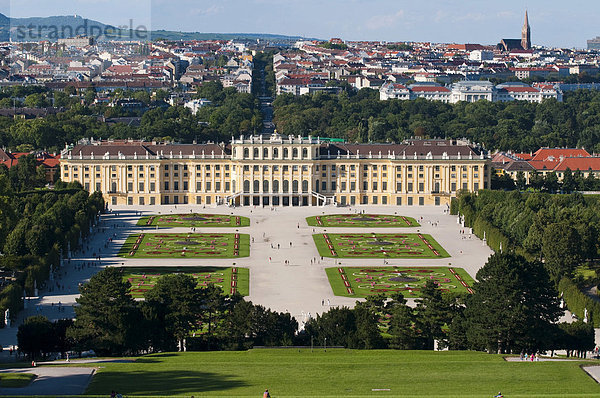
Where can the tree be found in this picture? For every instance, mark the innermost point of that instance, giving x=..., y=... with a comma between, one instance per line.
x=513, y=307
x=521, y=182
x=551, y=182
x=174, y=307
x=433, y=314
x=367, y=322
x=404, y=335
x=107, y=318
x=577, y=336
x=568, y=181
x=35, y=336
x=561, y=248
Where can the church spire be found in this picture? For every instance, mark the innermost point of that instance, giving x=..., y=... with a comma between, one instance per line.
x=526, y=34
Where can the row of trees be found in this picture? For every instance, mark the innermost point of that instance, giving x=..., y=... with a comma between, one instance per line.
x=561, y=230
x=522, y=126
x=571, y=182
x=174, y=315
x=37, y=226
x=230, y=113
x=514, y=309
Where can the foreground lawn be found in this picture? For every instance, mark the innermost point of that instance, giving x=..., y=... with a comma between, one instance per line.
x=186, y=245
x=15, y=380
x=361, y=282
x=338, y=372
x=361, y=220
x=372, y=245
x=194, y=220
x=230, y=279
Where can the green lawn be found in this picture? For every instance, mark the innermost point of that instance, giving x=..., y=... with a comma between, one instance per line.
x=143, y=279
x=15, y=380
x=361, y=282
x=371, y=245
x=339, y=372
x=194, y=220
x=186, y=245
x=361, y=220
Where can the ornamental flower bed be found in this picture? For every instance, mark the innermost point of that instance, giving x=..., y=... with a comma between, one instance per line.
x=365, y=281
x=186, y=245
x=361, y=220
x=378, y=245
x=194, y=220
x=142, y=279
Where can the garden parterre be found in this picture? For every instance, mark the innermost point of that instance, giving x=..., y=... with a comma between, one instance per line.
x=230, y=279
x=166, y=245
x=194, y=220
x=361, y=220
x=360, y=282
x=372, y=245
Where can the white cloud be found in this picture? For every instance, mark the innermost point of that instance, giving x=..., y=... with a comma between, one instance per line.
x=212, y=10
x=384, y=21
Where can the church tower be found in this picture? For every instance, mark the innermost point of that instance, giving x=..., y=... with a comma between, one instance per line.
x=526, y=34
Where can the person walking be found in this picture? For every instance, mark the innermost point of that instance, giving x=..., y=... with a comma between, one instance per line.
x=266, y=394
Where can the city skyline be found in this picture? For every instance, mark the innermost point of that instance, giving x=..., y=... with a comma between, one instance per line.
x=379, y=20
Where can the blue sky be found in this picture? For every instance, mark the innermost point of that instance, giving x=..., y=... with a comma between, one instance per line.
x=553, y=22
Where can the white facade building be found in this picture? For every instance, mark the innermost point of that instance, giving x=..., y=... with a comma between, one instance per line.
x=471, y=91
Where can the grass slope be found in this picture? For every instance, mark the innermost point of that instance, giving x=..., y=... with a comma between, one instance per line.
x=371, y=245
x=194, y=220
x=143, y=279
x=339, y=372
x=362, y=220
x=15, y=380
x=365, y=281
x=165, y=245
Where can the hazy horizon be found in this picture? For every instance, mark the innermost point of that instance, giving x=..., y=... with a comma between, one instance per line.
x=553, y=23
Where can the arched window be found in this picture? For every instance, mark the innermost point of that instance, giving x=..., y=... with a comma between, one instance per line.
x=265, y=153
x=286, y=186
x=247, y=186
x=256, y=186
x=266, y=186
x=305, y=186
x=295, y=186
x=246, y=153
x=285, y=153
x=304, y=153
x=275, y=153
x=255, y=153
x=294, y=153
x=276, y=186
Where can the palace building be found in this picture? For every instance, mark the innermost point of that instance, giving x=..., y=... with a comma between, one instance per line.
x=277, y=171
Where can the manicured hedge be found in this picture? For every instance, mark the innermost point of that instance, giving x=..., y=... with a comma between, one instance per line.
x=577, y=301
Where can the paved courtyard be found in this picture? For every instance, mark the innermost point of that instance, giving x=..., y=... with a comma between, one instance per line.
x=282, y=276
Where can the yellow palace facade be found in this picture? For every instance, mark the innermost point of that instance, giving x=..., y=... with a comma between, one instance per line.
x=277, y=171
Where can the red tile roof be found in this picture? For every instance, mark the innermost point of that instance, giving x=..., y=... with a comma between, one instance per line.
x=582, y=164
x=556, y=153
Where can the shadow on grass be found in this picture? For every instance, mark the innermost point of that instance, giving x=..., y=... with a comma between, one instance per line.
x=161, y=382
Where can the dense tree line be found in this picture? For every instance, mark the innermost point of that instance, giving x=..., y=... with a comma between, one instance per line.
x=230, y=114
x=37, y=226
x=521, y=126
x=572, y=181
x=514, y=309
x=175, y=315
x=560, y=230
